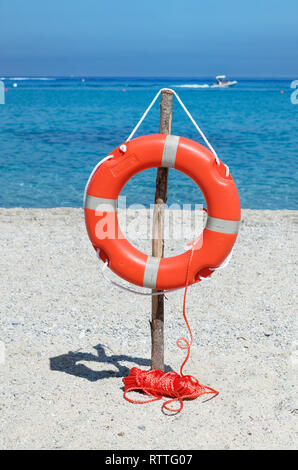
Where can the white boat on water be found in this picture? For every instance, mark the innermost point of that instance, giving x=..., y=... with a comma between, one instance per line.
x=222, y=82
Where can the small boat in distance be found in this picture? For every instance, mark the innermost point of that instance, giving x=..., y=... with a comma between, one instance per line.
x=222, y=82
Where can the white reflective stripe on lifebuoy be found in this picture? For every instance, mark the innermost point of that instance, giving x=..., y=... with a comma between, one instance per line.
x=222, y=225
x=151, y=270
x=100, y=204
x=169, y=151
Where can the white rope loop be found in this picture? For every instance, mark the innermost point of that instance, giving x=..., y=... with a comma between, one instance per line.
x=123, y=147
x=92, y=173
x=190, y=117
x=161, y=292
x=121, y=286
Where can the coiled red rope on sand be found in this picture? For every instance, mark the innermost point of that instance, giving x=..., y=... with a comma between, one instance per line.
x=158, y=384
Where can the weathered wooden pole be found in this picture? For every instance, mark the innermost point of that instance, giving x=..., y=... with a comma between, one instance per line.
x=157, y=323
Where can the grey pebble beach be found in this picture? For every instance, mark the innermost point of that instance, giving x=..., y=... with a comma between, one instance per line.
x=69, y=338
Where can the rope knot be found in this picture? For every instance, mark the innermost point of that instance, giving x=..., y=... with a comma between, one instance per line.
x=123, y=148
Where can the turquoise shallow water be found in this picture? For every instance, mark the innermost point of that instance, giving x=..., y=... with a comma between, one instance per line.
x=53, y=132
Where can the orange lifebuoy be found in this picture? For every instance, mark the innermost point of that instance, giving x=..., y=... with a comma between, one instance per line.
x=189, y=157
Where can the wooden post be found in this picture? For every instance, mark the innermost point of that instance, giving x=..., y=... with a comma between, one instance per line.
x=157, y=323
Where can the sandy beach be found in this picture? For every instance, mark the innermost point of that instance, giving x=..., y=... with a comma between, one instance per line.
x=69, y=338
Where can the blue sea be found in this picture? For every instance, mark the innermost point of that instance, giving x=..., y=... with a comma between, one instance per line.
x=54, y=131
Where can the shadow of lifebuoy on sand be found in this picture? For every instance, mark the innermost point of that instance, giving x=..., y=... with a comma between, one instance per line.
x=70, y=363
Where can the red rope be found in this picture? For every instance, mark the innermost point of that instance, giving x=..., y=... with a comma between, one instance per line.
x=158, y=384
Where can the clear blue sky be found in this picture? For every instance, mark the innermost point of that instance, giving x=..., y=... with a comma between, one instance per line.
x=257, y=38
